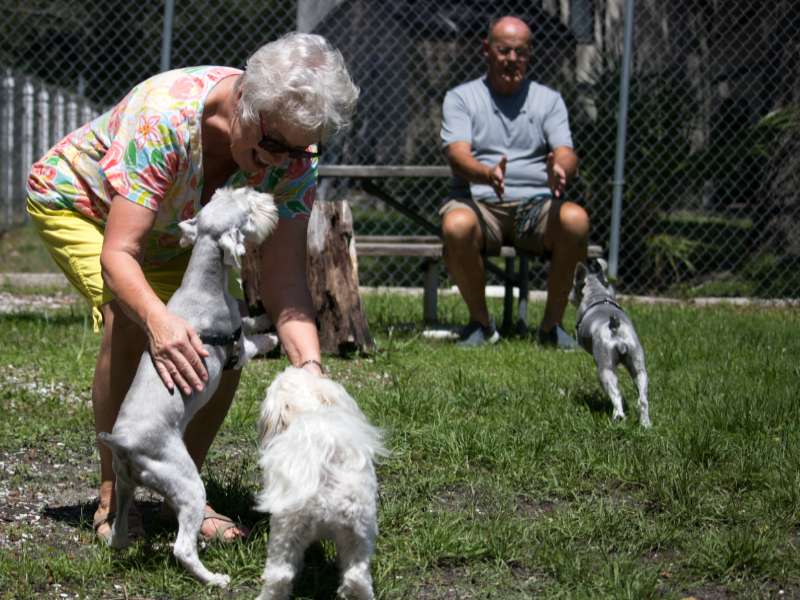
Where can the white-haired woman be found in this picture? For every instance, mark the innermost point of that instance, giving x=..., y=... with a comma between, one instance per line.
x=108, y=198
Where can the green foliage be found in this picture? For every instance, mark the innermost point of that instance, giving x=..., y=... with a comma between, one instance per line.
x=73, y=40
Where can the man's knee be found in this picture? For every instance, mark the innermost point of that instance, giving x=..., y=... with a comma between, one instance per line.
x=571, y=222
x=460, y=226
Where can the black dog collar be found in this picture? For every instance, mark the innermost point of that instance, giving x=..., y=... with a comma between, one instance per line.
x=226, y=340
x=590, y=307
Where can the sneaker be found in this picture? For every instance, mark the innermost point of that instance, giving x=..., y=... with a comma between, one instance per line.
x=475, y=334
x=557, y=337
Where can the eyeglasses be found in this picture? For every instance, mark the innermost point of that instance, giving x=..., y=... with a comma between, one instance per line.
x=270, y=144
x=523, y=53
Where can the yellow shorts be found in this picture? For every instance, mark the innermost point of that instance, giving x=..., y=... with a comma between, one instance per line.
x=75, y=243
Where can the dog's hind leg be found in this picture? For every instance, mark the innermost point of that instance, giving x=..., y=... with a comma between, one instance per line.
x=125, y=489
x=608, y=379
x=635, y=364
x=644, y=407
x=354, y=551
x=288, y=539
x=183, y=489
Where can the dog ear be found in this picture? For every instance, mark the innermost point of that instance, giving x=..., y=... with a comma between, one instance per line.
x=189, y=229
x=232, y=244
x=602, y=270
x=580, y=274
x=263, y=217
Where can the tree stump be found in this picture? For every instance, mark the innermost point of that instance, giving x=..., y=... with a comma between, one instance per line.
x=332, y=274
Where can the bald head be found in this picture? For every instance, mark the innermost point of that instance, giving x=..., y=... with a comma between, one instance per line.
x=507, y=51
x=509, y=26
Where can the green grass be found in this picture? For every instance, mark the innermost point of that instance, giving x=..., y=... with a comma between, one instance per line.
x=23, y=252
x=507, y=478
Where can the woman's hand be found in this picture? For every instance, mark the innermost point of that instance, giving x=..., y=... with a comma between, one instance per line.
x=177, y=350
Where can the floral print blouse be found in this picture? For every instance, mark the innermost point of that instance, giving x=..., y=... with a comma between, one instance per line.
x=148, y=149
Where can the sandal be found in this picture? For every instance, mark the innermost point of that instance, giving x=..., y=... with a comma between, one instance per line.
x=219, y=532
x=134, y=522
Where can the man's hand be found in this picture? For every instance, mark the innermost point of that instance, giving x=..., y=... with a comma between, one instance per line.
x=496, y=176
x=556, y=176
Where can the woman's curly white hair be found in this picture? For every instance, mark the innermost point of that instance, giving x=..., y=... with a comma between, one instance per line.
x=301, y=79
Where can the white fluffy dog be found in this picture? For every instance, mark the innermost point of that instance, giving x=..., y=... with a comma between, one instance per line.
x=317, y=451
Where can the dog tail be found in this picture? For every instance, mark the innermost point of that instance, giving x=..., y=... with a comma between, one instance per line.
x=327, y=446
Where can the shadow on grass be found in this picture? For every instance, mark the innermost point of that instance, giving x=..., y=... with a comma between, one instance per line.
x=81, y=516
x=597, y=402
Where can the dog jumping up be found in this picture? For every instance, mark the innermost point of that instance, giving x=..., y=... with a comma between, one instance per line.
x=147, y=439
x=317, y=450
x=606, y=332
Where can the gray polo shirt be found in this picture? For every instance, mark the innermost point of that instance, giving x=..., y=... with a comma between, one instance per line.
x=525, y=126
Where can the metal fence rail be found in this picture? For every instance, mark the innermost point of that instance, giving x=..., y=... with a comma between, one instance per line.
x=710, y=201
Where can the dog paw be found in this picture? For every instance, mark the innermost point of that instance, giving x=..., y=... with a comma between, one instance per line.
x=264, y=342
x=119, y=542
x=219, y=580
x=251, y=325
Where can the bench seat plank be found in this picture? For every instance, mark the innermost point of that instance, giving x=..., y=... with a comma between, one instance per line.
x=368, y=172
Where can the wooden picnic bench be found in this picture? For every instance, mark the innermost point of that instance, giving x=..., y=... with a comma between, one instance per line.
x=430, y=247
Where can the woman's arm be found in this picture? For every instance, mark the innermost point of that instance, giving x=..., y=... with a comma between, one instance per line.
x=174, y=344
x=284, y=292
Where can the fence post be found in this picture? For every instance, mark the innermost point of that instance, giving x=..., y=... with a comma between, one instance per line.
x=72, y=114
x=58, y=119
x=43, y=118
x=87, y=113
x=166, y=35
x=26, y=143
x=619, y=168
x=7, y=145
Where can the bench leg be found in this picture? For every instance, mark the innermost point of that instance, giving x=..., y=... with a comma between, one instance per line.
x=431, y=287
x=508, y=300
x=522, y=306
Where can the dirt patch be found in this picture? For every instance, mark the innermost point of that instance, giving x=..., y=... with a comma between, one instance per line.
x=10, y=303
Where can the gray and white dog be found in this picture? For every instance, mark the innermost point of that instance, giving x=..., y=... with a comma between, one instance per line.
x=147, y=439
x=606, y=332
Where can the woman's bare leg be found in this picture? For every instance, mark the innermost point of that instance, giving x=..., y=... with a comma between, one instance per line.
x=120, y=352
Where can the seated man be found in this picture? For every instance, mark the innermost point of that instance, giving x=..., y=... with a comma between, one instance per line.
x=509, y=145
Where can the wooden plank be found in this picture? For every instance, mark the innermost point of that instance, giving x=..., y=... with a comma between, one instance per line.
x=369, y=172
x=426, y=250
x=398, y=239
x=431, y=246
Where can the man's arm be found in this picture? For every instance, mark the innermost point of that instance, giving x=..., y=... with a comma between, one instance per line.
x=562, y=164
x=466, y=166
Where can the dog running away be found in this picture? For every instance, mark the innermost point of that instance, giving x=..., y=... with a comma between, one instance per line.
x=606, y=332
x=147, y=439
x=317, y=450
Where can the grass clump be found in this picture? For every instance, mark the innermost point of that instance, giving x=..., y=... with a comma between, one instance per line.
x=507, y=477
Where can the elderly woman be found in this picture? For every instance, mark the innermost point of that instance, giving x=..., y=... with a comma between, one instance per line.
x=107, y=201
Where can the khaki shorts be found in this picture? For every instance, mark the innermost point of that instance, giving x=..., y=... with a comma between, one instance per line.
x=75, y=243
x=500, y=223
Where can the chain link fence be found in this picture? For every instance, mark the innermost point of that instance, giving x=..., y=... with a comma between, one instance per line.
x=711, y=201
